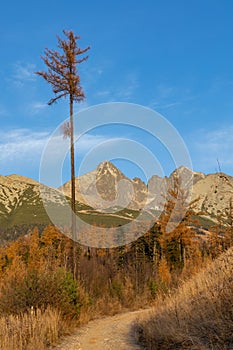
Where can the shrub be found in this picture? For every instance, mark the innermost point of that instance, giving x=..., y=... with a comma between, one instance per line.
x=40, y=288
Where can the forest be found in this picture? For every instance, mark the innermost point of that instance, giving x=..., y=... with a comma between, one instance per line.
x=50, y=284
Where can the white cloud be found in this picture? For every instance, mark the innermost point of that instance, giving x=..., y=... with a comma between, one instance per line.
x=21, y=145
x=36, y=107
x=22, y=73
x=165, y=105
x=103, y=93
x=25, y=146
x=90, y=75
x=86, y=142
x=129, y=87
x=213, y=147
x=216, y=140
x=171, y=96
x=164, y=91
x=124, y=92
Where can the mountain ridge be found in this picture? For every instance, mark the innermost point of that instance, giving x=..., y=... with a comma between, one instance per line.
x=212, y=192
x=107, y=195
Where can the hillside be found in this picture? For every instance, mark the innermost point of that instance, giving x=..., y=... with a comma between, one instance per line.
x=198, y=316
x=23, y=204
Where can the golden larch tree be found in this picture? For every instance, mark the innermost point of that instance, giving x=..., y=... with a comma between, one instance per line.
x=64, y=78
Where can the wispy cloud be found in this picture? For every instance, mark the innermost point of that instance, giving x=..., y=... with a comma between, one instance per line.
x=90, y=75
x=129, y=87
x=103, y=93
x=170, y=96
x=213, y=147
x=165, y=91
x=21, y=145
x=120, y=89
x=24, y=146
x=37, y=107
x=23, y=73
x=86, y=142
x=124, y=92
x=216, y=140
x=165, y=105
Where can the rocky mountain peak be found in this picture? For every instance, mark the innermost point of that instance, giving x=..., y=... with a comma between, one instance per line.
x=138, y=180
x=185, y=172
x=108, y=168
x=108, y=185
x=182, y=171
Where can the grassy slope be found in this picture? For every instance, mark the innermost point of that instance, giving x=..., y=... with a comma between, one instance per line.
x=31, y=212
x=199, y=316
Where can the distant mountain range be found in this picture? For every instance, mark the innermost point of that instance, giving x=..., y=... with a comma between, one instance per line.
x=107, y=196
x=107, y=186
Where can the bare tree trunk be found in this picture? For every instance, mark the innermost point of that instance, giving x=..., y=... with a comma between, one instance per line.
x=73, y=215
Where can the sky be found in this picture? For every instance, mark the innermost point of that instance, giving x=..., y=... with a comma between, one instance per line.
x=172, y=57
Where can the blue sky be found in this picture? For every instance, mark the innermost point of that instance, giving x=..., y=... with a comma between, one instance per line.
x=175, y=57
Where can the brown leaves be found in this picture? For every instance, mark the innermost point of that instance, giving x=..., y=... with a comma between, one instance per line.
x=65, y=129
x=62, y=72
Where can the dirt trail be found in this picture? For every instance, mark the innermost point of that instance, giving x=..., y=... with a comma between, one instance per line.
x=110, y=333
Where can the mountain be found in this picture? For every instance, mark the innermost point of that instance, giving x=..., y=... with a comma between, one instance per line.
x=214, y=193
x=24, y=203
x=106, y=188
x=105, y=196
x=21, y=203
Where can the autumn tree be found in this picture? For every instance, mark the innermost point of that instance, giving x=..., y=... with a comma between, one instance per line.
x=228, y=215
x=64, y=78
x=177, y=238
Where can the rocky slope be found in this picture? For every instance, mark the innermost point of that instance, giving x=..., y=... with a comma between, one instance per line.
x=215, y=192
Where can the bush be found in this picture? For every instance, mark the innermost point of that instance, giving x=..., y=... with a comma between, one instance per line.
x=40, y=288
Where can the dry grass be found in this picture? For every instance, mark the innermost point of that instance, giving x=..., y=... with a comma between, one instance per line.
x=199, y=316
x=30, y=331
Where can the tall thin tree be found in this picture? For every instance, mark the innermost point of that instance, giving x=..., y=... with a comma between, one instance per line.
x=64, y=78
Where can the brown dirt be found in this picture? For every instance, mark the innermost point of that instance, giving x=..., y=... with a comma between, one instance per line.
x=109, y=333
